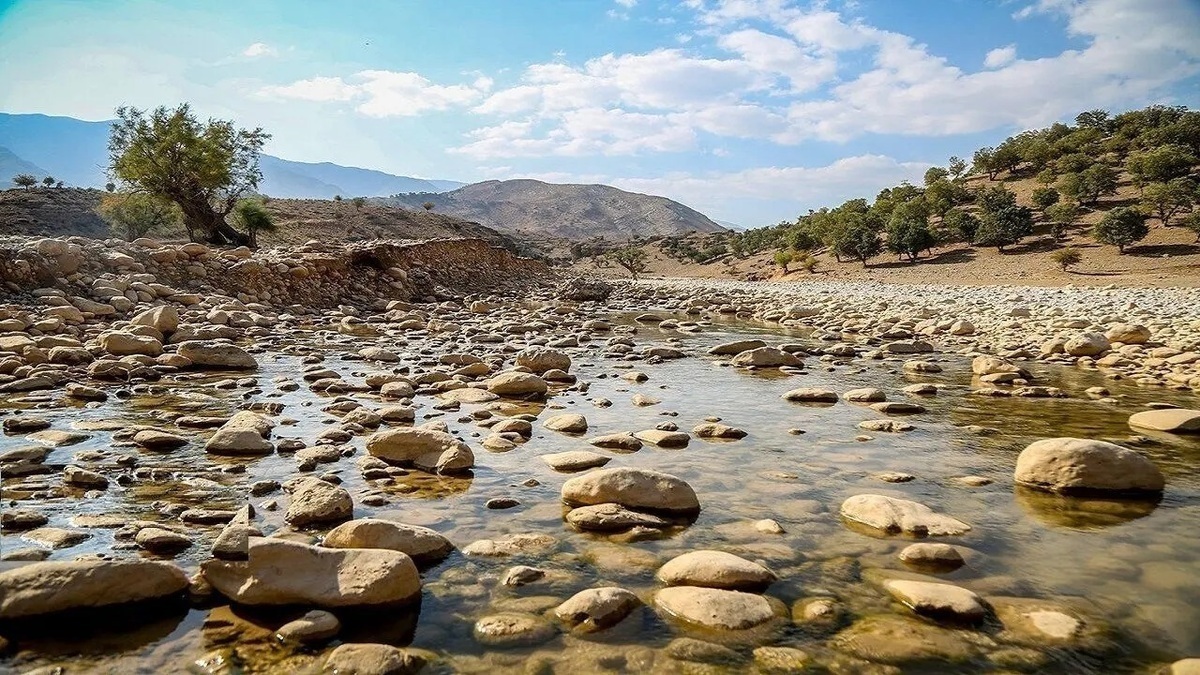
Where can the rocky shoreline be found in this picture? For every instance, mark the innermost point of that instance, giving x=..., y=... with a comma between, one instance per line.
x=421, y=363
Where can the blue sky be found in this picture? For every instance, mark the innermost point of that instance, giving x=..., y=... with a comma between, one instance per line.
x=750, y=110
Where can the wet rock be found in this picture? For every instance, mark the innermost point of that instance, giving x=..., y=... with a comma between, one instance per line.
x=575, y=460
x=625, y=442
x=898, y=640
x=699, y=651
x=281, y=572
x=632, y=488
x=56, y=537
x=717, y=430
x=886, y=426
x=736, y=347
x=766, y=357
x=663, y=439
x=570, y=423
x=516, y=544
x=159, y=540
x=1172, y=420
x=996, y=365
x=513, y=629
x=47, y=587
x=80, y=477
x=937, y=600
x=781, y=660
x=420, y=543
x=315, y=502
x=716, y=608
x=315, y=626
x=612, y=518
x=213, y=354
x=13, y=520
x=1034, y=622
x=865, y=395
x=597, y=608
x=23, y=424
x=521, y=575
x=518, y=384
x=1069, y=465
x=811, y=395
x=817, y=613
x=427, y=449
x=371, y=659
x=935, y=556
x=245, y=433
x=152, y=439
x=893, y=516
x=715, y=569
x=542, y=359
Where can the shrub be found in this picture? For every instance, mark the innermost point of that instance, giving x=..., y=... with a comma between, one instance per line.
x=1121, y=227
x=138, y=214
x=1044, y=198
x=1066, y=257
x=783, y=258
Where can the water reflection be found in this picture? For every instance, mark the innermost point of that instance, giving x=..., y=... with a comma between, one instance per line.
x=1082, y=513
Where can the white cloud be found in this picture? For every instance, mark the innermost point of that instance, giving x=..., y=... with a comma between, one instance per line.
x=384, y=93
x=774, y=54
x=260, y=49
x=1000, y=56
x=627, y=4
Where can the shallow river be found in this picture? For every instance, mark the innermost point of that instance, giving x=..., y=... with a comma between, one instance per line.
x=1132, y=565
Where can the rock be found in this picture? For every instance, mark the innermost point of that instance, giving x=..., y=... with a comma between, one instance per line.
x=120, y=343
x=811, y=395
x=1185, y=667
x=612, y=518
x=212, y=354
x=427, y=449
x=632, y=488
x=736, y=347
x=541, y=359
x=887, y=426
x=898, y=408
x=281, y=572
x=521, y=575
x=716, y=430
x=625, y=442
x=159, y=540
x=371, y=659
x=575, y=460
x=898, y=640
x=1172, y=420
x=315, y=626
x=781, y=660
x=513, y=629
x=962, y=327
x=80, y=477
x=766, y=357
x=940, y=556
x=12, y=520
x=995, y=365
x=664, y=439
x=162, y=319
x=715, y=569
x=57, y=537
x=420, y=543
x=894, y=516
x=1033, y=622
x=245, y=433
x=716, y=608
x=153, y=439
x=865, y=395
x=1128, y=333
x=710, y=654
x=316, y=502
x=1073, y=465
x=47, y=587
x=22, y=424
x=597, y=608
x=516, y=383
x=570, y=423
x=937, y=601
x=1087, y=344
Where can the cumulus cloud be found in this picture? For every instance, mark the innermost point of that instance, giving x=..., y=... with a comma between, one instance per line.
x=384, y=93
x=1000, y=56
x=259, y=49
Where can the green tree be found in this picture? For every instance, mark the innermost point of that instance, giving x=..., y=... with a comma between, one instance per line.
x=1061, y=216
x=1092, y=183
x=1044, y=198
x=252, y=216
x=935, y=173
x=24, y=180
x=1004, y=226
x=632, y=258
x=957, y=167
x=995, y=198
x=1160, y=164
x=1046, y=177
x=138, y=214
x=1192, y=222
x=859, y=238
x=1074, y=162
x=984, y=161
x=110, y=186
x=962, y=223
x=1164, y=200
x=48, y=181
x=1067, y=257
x=1121, y=227
x=203, y=167
x=908, y=233
x=1093, y=119
x=358, y=202
x=783, y=258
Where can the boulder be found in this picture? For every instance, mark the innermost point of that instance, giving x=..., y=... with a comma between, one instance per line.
x=316, y=502
x=420, y=543
x=213, y=354
x=575, y=460
x=47, y=587
x=1128, y=333
x=936, y=600
x=766, y=357
x=427, y=449
x=736, y=347
x=632, y=488
x=996, y=365
x=571, y=423
x=612, y=518
x=717, y=430
x=541, y=359
x=517, y=383
x=1172, y=420
x=597, y=608
x=245, y=433
x=1077, y=465
x=663, y=439
x=119, y=343
x=811, y=395
x=282, y=572
x=715, y=608
x=894, y=516
x=1087, y=344
x=715, y=569
x=162, y=319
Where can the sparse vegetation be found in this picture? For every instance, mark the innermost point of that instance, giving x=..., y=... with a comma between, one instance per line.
x=359, y=202
x=137, y=214
x=1066, y=258
x=24, y=180
x=783, y=258
x=48, y=181
x=632, y=258
x=252, y=217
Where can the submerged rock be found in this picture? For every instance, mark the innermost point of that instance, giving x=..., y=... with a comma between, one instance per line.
x=893, y=516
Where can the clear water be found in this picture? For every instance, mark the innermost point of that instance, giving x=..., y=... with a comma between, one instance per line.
x=1135, y=563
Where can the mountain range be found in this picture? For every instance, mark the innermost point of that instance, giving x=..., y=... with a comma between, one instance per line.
x=76, y=152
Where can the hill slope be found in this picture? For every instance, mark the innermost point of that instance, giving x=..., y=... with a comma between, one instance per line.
x=76, y=152
x=72, y=211
x=11, y=165
x=532, y=208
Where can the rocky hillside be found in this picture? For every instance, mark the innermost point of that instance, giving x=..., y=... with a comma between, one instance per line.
x=68, y=212
x=534, y=209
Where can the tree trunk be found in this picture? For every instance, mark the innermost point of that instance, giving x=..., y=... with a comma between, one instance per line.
x=201, y=217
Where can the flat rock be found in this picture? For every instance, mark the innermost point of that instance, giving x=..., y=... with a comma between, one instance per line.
x=894, y=516
x=47, y=587
x=632, y=488
x=1174, y=420
x=936, y=600
x=715, y=608
x=575, y=460
x=612, y=518
x=715, y=569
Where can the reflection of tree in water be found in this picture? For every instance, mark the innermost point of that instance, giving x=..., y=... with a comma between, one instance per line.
x=1082, y=513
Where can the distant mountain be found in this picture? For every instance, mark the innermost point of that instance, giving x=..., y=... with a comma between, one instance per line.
x=11, y=165
x=533, y=208
x=732, y=226
x=76, y=152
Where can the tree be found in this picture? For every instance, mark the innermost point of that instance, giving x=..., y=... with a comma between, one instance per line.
x=252, y=216
x=110, y=186
x=995, y=198
x=957, y=167
x=859, y=238
x=1089, y=185
x=358, y=203
x=203, y=167
x=962, y=223
x=1061, y=216
x=337, y=198
x=1046, y=177
x=1164, y=200
x=1192, y=222
x=1094, y=119
x=24, y=180
x=908, y=232
x=632, y=258
x=1066, y=257
x=1160, y=164
x=58, y=185
x=984, y=160
x=138, y=214
x=1004, y=226
x=48, y=181
x=428, y=206
x=783, y=258
x=1044, y=198
x=1121, y=227
x=935, y=173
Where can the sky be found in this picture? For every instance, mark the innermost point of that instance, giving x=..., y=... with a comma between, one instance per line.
x=752, y=111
